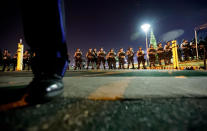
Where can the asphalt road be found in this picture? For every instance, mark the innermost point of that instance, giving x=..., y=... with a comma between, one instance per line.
x=110, y=100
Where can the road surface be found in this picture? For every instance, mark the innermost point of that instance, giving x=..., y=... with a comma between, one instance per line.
x=110, y=100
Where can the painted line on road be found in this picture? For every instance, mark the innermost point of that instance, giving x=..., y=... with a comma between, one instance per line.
x=181, y=77
x=111, y=91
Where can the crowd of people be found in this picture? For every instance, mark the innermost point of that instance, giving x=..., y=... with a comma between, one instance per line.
x=9, y=62
x=186, y=52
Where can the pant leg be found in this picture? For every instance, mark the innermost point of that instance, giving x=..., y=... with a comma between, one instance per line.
x=44, y=33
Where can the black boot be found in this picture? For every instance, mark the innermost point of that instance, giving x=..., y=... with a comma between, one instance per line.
x=44, y=89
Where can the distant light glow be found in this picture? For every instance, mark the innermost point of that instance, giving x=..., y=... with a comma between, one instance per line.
x=145, y=27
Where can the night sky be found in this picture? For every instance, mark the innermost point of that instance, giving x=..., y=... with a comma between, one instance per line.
x=111, y=23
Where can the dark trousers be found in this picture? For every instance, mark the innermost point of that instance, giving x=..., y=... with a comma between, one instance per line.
x=121, y=63
x=90, y=61
x=78, y=63
x=168, y=56
x=6, y=63
x=101, y=60
x=14, y=62
x=43, y=22
x=141, y=60
x=186, y=54
x=131, y=61
x=152, y=59
x=112, y=63
x=160, y=57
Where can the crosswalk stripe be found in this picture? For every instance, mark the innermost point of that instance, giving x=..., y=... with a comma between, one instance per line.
x=111, y=91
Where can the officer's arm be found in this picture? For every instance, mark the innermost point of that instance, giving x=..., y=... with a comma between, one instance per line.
x=87, y=54
x=75, y=54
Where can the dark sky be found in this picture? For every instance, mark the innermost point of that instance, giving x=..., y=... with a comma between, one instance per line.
x=111, y=23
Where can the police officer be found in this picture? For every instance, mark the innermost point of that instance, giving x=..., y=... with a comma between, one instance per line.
x=186, y=50
x=193, y=49
x=112, y=59
x=160, y=53
x=168, y=53
x=179, y=53
x=26, y=60
x=1, y=57
x=78, y=59
x=140, y=58
x=201, y=46
x=95, y=57
x=6, y=60
x=14, y=61
x=121, y=55
x=152, y=57
x=89, y=56
x=130, y=59
x=101, y=58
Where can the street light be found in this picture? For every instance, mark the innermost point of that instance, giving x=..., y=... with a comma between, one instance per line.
x=146, y=28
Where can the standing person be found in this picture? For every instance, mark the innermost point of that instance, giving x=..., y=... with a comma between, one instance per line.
x=168, y=53
x=14, y=61
x=160, y=53
x=26, y=60
x=179, y=53
x=112, y=60
x=130, y=59
x=89, y=57
x=193, y=49
x=121, y=56
x=140, y=58
x=1, y=57
x=44, y=32
x=101, y=58
x=95, y=58
x=78, y=59
x=152, y=57
x=201, y=46
x=6, y=60
x=186, y=50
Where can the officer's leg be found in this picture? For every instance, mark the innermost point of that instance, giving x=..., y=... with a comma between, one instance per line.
x=128, y=63
x=87, y=64
x=143, y=63
x=123, y=62
x=4, y=65
x=43, y=27
x=139, y=62
x=98, y=63
x=132, y=60
x=8, y=65
x=114, y=63
x=104, y=62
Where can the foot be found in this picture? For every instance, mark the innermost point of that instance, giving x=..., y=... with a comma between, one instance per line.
x=44, y=89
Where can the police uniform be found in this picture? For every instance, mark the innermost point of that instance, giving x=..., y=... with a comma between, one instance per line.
x=152, y=57
x=78, y=60
x=168, y=54
x=186, y=50
x=95, y=58
x=130, y=58
x=6, y=61
x=160, y=53
x=14, y=61
x=201, y=45
x=26, y=60
x=140, y=58
x=90, y=59
x=121, y=59
x=112, y=60
x=101, y=58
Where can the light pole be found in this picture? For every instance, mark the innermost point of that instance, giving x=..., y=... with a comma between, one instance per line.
x=146, y=28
